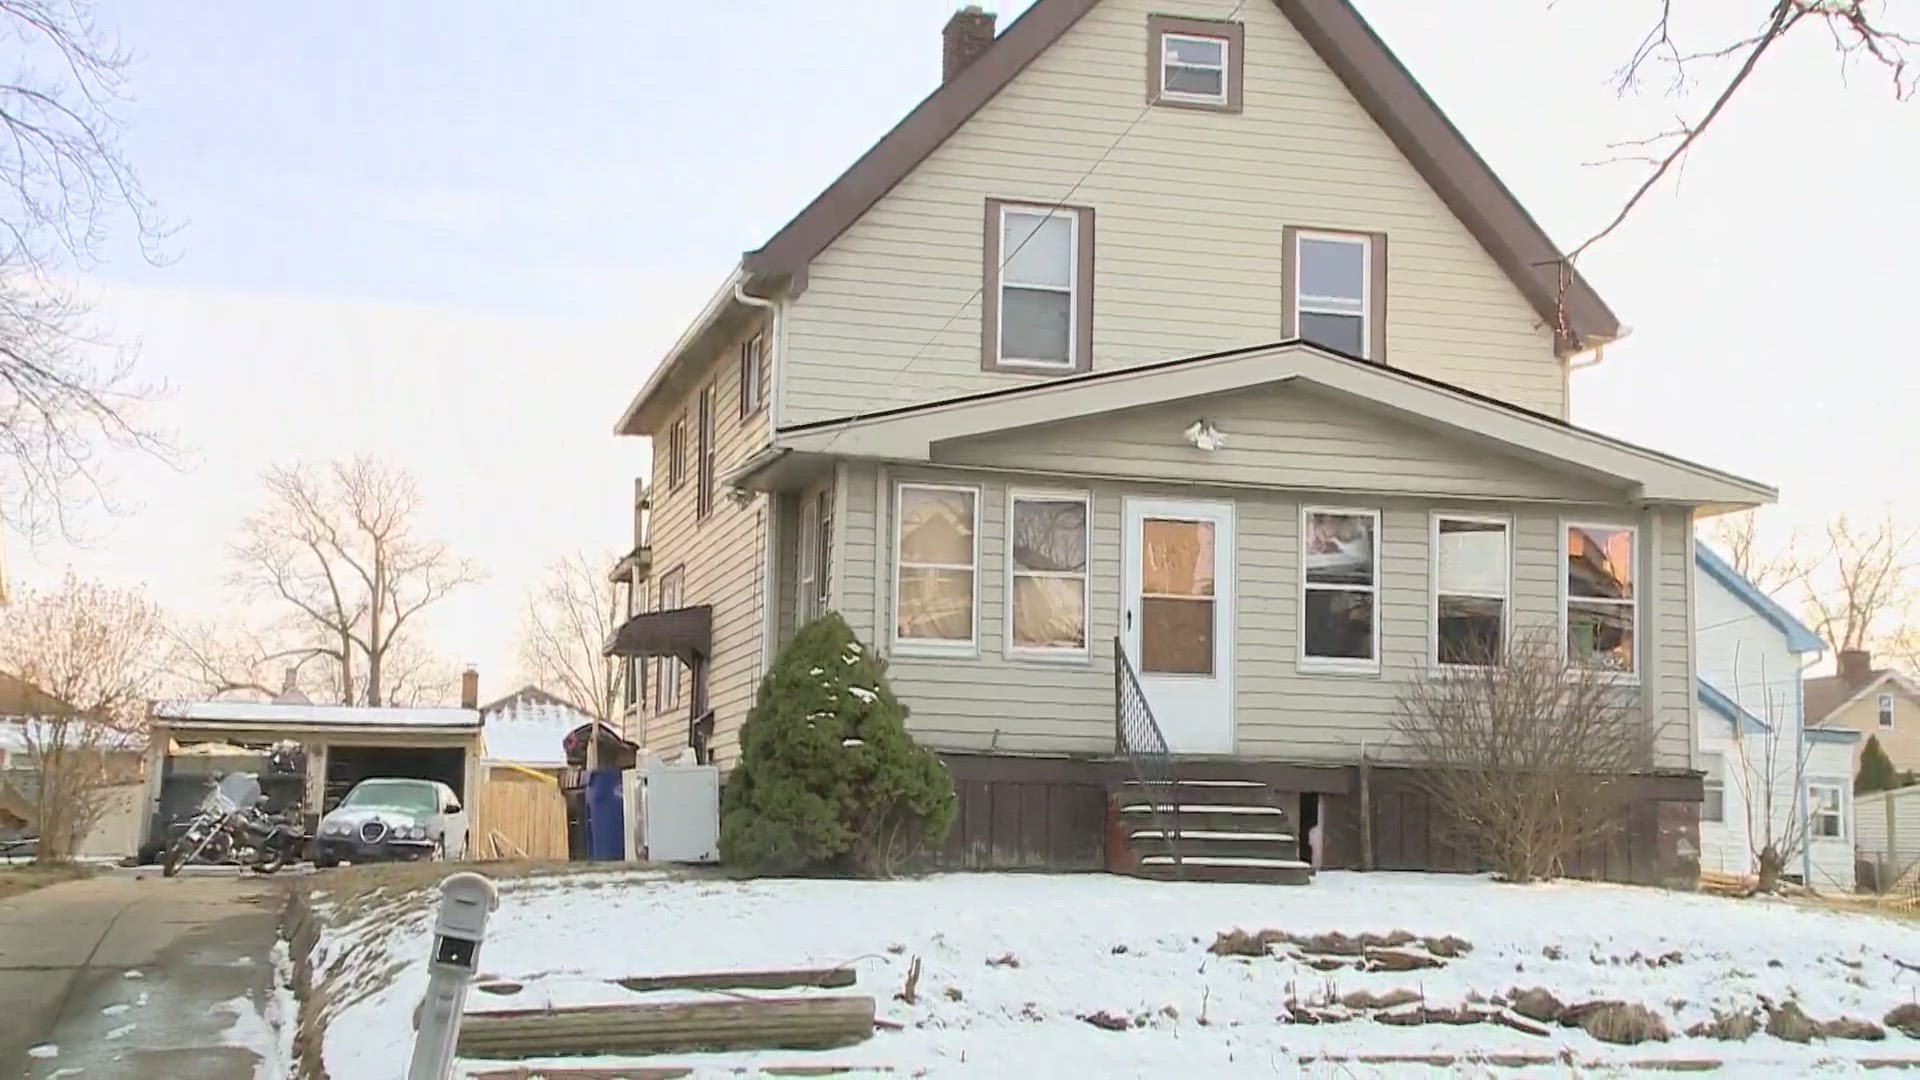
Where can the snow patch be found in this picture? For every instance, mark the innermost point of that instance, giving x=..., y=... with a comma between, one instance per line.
x=123, y=1031
x=863, y=694
x=44, y=1051
x=853, y=742
x=116, y=1010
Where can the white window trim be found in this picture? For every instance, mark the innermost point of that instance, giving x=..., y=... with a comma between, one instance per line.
x=1840, y=805
x=1327, y=665
x=1226, y=69
x=1304, y=304
x=1885, y=707
x=1433, y=584
x=907, y=646
x=808, y=589
x=1082, y=654
x=1719, y=784
x=1625, y=678
x=1073, y=289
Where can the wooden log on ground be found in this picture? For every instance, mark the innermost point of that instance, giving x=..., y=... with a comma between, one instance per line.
x=827, y=978
x=671, y=1071
x=796, y=1023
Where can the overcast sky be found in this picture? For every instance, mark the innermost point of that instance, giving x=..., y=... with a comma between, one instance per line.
x=459, y=235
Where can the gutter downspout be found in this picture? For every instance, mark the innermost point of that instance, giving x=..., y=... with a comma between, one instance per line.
x=770, y=523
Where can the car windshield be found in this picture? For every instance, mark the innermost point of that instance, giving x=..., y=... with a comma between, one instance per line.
x=411, y=796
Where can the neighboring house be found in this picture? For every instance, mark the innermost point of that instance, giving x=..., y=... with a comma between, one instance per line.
x=22, y=734
x=1761, y=760
x=1211, y=341
x=528, y=729
x=1880, y=703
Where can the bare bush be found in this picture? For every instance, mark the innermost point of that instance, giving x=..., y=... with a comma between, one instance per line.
x=1522, y=752
x=88, y=658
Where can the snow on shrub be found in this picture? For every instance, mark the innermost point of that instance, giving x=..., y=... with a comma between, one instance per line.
x=828, y=779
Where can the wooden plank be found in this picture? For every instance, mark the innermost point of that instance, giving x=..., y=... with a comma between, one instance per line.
x=1033, y=826
x=1005, y=848
x=830, y=978
x=809, y=1023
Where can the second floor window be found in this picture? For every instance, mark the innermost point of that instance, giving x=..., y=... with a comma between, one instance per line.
x=676, y=453
x=1332, y=301
x=1037, y=306
x=1886, y=711
x=753, y=374
x=704, y=454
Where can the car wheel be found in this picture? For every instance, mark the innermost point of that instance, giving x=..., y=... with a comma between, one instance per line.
x=324, y=861
x=440, y=850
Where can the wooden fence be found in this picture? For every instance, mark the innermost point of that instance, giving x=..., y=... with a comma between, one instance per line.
x=519, y=816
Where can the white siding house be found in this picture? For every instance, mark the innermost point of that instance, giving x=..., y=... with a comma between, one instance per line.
x=1760, y=759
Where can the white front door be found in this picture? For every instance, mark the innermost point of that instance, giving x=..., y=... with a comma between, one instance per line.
x=1176, y=617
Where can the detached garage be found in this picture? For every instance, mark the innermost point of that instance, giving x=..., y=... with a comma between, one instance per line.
x=342, y=745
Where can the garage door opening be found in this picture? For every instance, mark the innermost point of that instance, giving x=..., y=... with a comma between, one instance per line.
x=348, y=765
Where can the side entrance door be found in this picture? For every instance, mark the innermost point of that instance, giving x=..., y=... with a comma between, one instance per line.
x=1176, y=617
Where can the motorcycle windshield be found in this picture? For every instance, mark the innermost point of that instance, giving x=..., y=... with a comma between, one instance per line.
x=236, y=791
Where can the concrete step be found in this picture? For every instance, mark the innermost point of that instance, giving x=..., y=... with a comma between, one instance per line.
x=1225, y=869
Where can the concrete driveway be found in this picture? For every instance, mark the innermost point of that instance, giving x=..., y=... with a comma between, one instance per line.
x=135, y=976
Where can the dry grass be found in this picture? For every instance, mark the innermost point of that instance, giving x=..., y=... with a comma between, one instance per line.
x=353, y=891
x=15, y=880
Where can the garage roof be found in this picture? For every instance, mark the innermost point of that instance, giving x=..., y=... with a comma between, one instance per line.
x=265, y=716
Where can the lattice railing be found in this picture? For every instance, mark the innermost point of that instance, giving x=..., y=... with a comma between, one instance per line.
x=1137, y=735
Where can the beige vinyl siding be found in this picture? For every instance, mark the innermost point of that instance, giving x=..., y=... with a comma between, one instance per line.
x=1190, y=208
x=1902, y=743
x=1013, y=705
x=1287, y=435
x=721, y=557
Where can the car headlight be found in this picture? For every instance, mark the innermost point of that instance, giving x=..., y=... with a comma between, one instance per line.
x=416, y=832
x=334, y=828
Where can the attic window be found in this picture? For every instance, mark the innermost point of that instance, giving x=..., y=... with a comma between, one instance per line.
x=1195, y=63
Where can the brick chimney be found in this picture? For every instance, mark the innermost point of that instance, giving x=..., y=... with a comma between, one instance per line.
x=1856, y=666
x=968, y=34
x=470, y=688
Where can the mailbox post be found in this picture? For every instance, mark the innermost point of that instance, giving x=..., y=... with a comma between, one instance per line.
x=466, y=899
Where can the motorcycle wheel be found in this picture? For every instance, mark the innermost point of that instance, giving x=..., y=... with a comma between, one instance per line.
x=180, y=854
x=271, y=861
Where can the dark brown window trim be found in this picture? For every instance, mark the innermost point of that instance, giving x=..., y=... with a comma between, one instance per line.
x=990, y=291
x=1235, y=35
x=1376, y=287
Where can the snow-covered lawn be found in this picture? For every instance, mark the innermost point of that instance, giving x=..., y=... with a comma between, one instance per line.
x=1012, y=963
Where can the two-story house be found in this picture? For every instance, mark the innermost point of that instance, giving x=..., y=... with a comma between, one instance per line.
x=1188, y=331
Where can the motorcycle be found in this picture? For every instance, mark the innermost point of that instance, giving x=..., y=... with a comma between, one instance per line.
x=220, y=820
x=271, y=841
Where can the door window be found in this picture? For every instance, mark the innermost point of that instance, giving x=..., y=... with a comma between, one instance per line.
x=1176, y=597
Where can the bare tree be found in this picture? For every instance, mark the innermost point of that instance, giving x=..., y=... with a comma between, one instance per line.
x=1862, y=33
x=567, y=621
x=1861, y=587
x=1738, y=536
x=69, y=399
x=90, y=657
x=1522, y=752
x=335, y=551
x=1769, y=771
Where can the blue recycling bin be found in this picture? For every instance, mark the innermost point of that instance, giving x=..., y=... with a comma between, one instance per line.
x=606, y=817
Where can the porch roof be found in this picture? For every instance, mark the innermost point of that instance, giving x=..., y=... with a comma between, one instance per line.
x=683, y=632
x=911, y=433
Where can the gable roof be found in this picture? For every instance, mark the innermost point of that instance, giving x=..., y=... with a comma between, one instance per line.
x=1829, y=694
x=1375, y=77
x=1799, y=638
x=910, y=433
x=1727, y=708
x=1372, y=74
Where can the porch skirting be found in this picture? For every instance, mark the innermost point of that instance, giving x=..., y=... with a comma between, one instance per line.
x=1051, y=813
